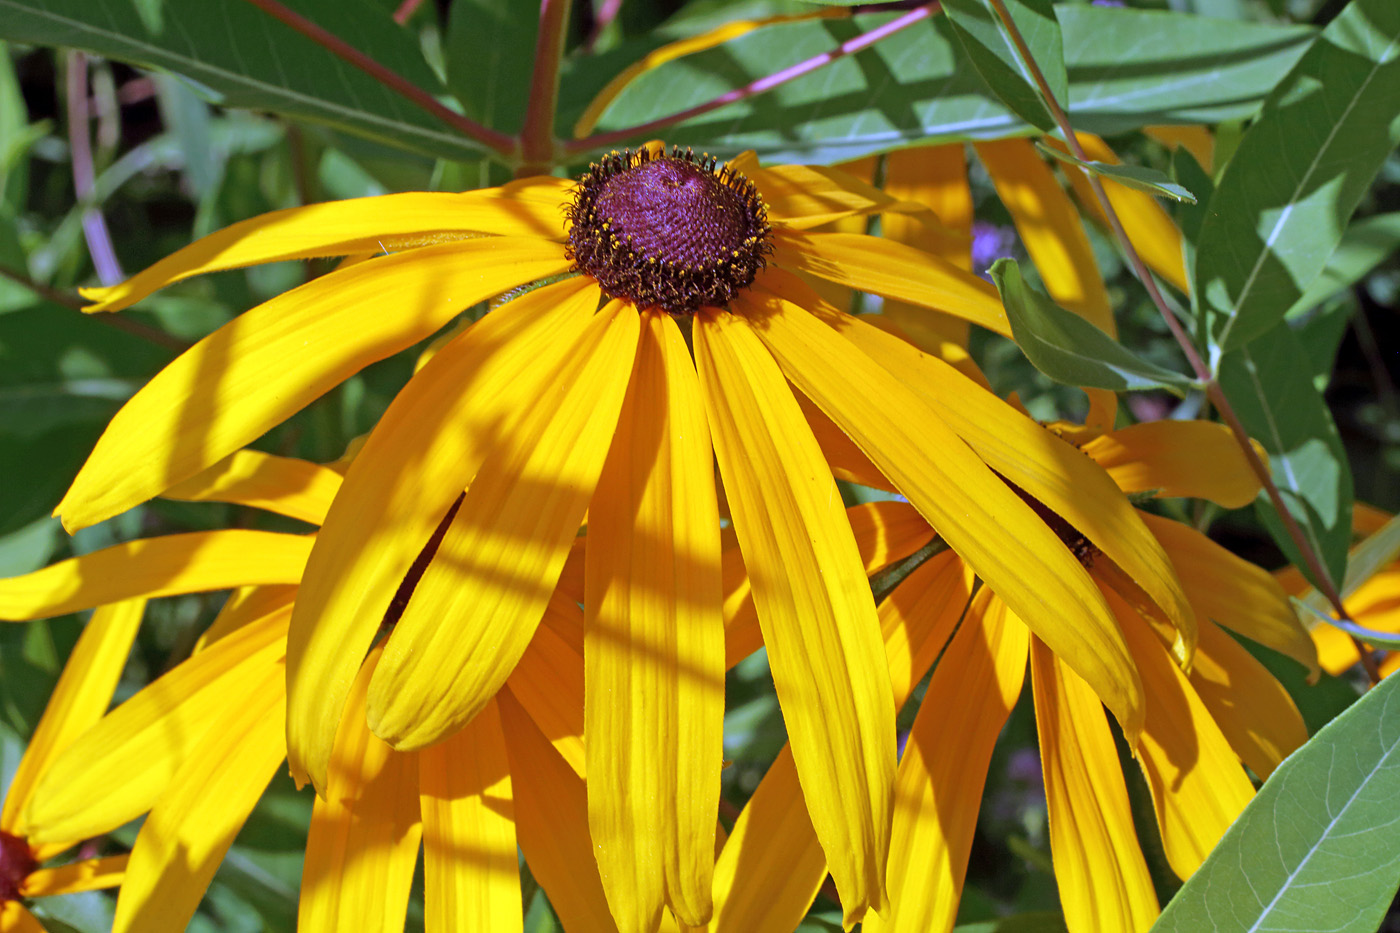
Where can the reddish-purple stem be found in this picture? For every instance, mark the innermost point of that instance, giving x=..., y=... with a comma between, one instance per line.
x=99, y=239
x=767, y=83
x=537, y=142
x=603, y=15
x=406, y=10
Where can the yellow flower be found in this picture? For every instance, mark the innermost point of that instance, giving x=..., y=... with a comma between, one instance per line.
x=1199, y=725
x=548, y=408
x=84, y=689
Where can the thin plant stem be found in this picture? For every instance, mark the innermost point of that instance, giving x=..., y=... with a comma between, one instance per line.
x=603, y=14
x=406, y=10
x=537, y=142
x=1326, y=585
x=494, y=140
x=69, y=300
x=95, y=232
x=759, y=86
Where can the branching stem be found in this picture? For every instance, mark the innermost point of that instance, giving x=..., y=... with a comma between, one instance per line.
x=537, y=142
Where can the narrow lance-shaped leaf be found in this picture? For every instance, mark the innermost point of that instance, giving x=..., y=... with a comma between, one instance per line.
x=1316, y=849
x=1363, y=563
x=996, y=56
x=1068, y=348
x=1269, y=384
x=1285, y=198
x=1134, y=176
x=242, y=57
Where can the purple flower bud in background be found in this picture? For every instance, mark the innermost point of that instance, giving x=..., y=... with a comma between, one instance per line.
x=990, y=242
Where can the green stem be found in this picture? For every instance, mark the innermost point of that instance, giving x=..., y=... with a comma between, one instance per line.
x=538, y=148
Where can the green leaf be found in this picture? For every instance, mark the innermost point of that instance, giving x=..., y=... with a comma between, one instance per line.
x=1364, y=245
x=1269, y=384
x=1300, y=170
x=1316, y=849
x=1134, y=176
x=1068, y=348
x=995, y=55
x=1364, y=562
x=917, y=87
x=1041, y=921
x=1312, y=617
x=490, y=52
x=241, y=57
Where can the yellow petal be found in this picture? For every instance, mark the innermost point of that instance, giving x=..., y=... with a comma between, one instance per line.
x=246, y=605
x=1099, y=867
x=937, y=794
x=79, y=699
x=438, y=430
x=88, y=875
x=185, y=563
x=1196, y=139
x=531, y=207
x=121, y=767
x=364, y=835
x=1149, y=227
x=1198, y=787
x=192, y=825
x=470, y=867
x=296, y=488
x=1177, y=458
x=1232, y=591
x=1253, y=710
x=654, y=645
x=846, y=460
x=679, y=49
x=814, y=606
x=894, y=271
x=270, y=362
x=15, y=919
x=548, y=680
x=885, y=532
x=918, y=618
x=799, y=197
x=937, y=177
x=502, y=554
x=974, y=510
x=551, y=822
x=1049, y=227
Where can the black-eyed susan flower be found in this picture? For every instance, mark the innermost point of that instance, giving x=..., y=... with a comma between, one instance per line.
x=550, y=407
x=79, y=699
x=1201, y=726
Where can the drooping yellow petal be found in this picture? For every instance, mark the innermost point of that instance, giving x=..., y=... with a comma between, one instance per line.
x=551, y=822
x=246, y=605
x=296, y=488
x=14, y=918
x=814, y=605
x=1050, y=228
x=364, y=835
x=1149, y=227
x=885, y=532
x=1198, y=786
x=1099, y=867
x=192, y=825
x=87, y=875
x=893, y=270
x=1197, y=140
x=79, y=699
x=974, y=510
x=937, y=177
x=1232, y=591
x=119, y=768
x=799, y=197
x=919, y=617
x=470, y=867
x=548, y=680
x=937, y=794
x=531, y=207
x=501, y=556
x=184, y=563
x=1177, y=458
x=270, y=362
x=847, y=461
x=439, y=429
x=1253, y=710
x=654, y=648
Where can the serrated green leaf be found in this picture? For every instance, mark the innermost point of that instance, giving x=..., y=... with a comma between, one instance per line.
x=1068, y=348
x=490, y=51
x=1316, y=849
x=1133, y=176
x=916, y=87
x=1269, y=384
x=241, y=57
x=997, y=58
x=1300, y=170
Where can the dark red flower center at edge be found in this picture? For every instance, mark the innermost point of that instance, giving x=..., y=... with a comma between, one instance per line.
x=16, y=864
